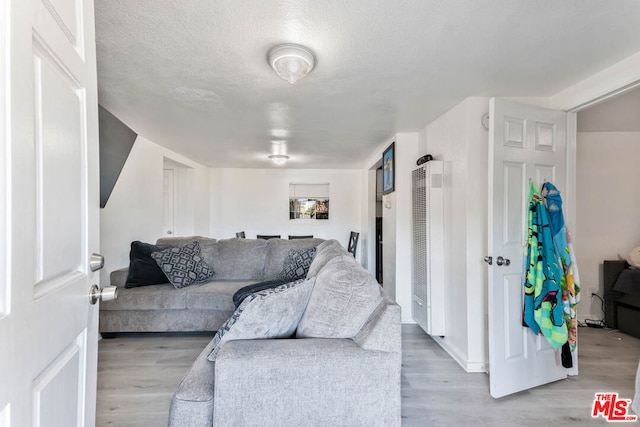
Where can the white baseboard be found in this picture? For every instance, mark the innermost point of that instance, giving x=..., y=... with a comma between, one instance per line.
x=408, y=321
x=468, y=366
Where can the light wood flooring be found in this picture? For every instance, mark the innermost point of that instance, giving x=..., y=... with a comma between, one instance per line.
x=138, y=373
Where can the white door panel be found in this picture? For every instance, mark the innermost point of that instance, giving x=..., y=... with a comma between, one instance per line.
x=526, y=144
x=59, y=150
x=49, y=217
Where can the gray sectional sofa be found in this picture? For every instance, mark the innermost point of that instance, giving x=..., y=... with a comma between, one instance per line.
x=200, y=307
x=342, y=367
x=337, y=364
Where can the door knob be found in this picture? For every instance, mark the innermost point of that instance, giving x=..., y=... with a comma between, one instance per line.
x=488, y=260
x=169, y=232
x=107, y=293
x=503, y=261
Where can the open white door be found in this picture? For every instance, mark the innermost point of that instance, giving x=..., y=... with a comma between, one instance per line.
x=525, y=143
x=50, y=213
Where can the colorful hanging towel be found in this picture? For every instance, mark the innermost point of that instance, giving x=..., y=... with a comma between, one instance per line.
x=542, y=308
x=564, y=250
x=573, y=291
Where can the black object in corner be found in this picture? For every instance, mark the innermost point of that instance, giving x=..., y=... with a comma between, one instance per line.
x=424, y=159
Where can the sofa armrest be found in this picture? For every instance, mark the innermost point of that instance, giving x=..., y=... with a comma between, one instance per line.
x=382, y=331
x=308, y=381
x=119, y=277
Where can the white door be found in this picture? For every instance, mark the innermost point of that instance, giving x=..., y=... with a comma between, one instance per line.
x=50, y=208
x=526, y=143
x=168, y=198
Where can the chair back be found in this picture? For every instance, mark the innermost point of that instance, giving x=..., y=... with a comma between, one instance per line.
x=267, y=237
x=353, y=243
x=240, y=235
x=310, y=236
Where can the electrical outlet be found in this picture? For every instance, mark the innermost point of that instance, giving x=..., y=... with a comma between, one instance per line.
x=592, y=291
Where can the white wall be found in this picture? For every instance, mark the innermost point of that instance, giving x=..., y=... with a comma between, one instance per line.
x=406, y=153
x=256, y=201
x=371, y=209
x=134, y=209
x=458, y=139
x=396, y=220
x=608, y=207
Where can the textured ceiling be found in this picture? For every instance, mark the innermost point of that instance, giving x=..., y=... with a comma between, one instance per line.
x=192, y=75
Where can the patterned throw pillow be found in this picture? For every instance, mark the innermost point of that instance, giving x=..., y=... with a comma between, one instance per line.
x=271, y=313
x=297, y=262
x=183, y=266
x=245, y=291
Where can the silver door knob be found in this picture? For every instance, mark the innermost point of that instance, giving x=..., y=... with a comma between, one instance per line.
x=488, y=260
x=169, y=232
x=503, y=261
x=96, y=262
x=107, y=293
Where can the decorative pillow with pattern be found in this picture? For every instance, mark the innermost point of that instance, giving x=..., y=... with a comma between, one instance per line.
x=245, y=291
x=270, y=313
x=297, y=262
x=183, y=266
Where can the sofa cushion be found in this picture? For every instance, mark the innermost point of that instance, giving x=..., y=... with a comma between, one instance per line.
x=325, y=252
x=119, y=277
x=296, y=263
x=344, y=296
x=182, y=241
x=237, y=259
x=155, y=297
x=215, y=295
x=277, y=251
x=271, y=313
x=143, y=270
x=183, y=265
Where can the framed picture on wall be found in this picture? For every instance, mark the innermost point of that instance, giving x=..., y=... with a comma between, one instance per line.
x=388, y=170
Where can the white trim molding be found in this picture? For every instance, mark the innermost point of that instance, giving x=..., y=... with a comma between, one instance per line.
x=616, y=79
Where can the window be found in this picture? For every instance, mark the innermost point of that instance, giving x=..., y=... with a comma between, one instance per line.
x=308, y=201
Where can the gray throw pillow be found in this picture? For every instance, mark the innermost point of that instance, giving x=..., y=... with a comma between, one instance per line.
x=297, y=262
x=343, y=298
x=326, y=251
x=271, y=313
x=183, y=266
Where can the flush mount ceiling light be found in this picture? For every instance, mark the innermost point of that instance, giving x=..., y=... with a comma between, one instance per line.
x=279, y=152
x=279, y=159
x=292, y=62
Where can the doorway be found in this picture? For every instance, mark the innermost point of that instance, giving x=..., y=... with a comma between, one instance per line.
x=177, y=199
x=379, y=225
x=607, y=149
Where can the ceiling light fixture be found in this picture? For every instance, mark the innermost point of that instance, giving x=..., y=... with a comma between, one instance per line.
x=279, y=159
x=290, y=61
x=279, y=152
